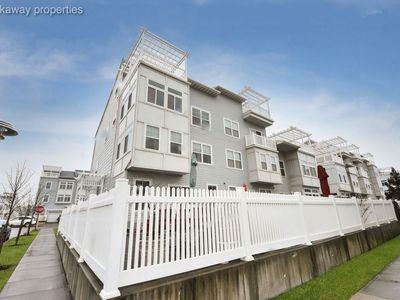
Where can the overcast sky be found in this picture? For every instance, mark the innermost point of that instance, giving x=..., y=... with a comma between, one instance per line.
x=330, y=67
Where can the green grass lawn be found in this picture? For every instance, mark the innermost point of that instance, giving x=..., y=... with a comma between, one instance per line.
x=11, y=255
x=345, y=280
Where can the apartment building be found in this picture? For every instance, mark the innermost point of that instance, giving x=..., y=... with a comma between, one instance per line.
x=384, y=174
x=297, y=162
x=59, y=189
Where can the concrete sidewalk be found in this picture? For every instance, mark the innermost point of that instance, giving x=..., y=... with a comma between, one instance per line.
x=39, y=274
x=386, y=285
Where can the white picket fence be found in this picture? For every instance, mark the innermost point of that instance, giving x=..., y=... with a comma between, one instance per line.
x=127, y=236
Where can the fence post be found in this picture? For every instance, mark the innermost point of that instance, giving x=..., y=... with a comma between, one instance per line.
x=118, y=233
x=307, y=240
x=373, y=209
x=359, y=212
x=385, y=210
x=244, y=224
x=74, y=227
x=337, y=215
x=85, y=241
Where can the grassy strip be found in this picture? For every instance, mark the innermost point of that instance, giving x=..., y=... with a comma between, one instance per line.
x=11, y=255
x=347, y=279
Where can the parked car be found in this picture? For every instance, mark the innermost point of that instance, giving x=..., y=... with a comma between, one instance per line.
x=8, y=231
x=17, y=221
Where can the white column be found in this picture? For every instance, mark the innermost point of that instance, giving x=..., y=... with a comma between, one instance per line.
x=332, y=198
x=118, y=232
x=374, y=212
x=244, y=225
x=307, y=239
x=359, y=212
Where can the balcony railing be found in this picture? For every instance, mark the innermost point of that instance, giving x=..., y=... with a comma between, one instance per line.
x=261, y=141
x=261, y=111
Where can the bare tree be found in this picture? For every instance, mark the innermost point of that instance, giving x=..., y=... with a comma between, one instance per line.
x=26, y=207
x=38, y=201
x=16, y=189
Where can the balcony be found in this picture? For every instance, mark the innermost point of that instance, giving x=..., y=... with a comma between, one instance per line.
x=254, y=140
x=256, y=114
x=362, y=172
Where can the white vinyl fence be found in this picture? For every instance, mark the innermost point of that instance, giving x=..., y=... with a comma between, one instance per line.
x=130, y=235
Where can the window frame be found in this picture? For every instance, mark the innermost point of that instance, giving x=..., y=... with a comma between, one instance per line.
x=47, y=196
x=145, y=138
x=170, y=142
x=156, y=88
x=284, y=168
x=272, y=160
x=231, y=122
x=48, y=188
x=212, y=184
x=234, y=161
x=126, y=142
x=202, y=152
x=201, y=110
x=174, y=93
x=260, y=155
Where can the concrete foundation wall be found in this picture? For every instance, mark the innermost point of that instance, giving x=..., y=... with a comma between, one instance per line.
x=269, y=275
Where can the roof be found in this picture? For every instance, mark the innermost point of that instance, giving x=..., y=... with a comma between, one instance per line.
x=203, y=88
x=292, y=134
x=230, y=94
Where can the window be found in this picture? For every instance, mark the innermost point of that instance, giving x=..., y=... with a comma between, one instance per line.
x=282, y=167
x=45, y=199
x=340, y=177
x=311, y=192
x=273, y=163
x=130, y=101
x=67, y=198
x=152, y=137
x=175, y=142
x=200, y=118
x=231, y=128
x=126, y=144
x=263, y=190
x=69, y=185
x=63, y=199
x=143, y=183
x=202, y=152
x=232, y=188
x=234, y=159
x=263, y=161
x=212, y=187
x=155, y=93
x=313, y=172
x=63, y=185
x=48, y=185
x=306, y=170
x=118, y=150
x=174, y=100
x=122, y=111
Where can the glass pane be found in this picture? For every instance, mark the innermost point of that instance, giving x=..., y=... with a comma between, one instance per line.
x=231, y=163
x=160, y=98
x=170, y=102
x=152, y=131
x=238, y=156
x=235, y=126
x=196, y=121
x=206, y=124
x=227, y=123
x=178, y=104
x=238, y=164
x=264, y=165
x=152, y=143
x=235, y=133
x=229, y=154
x=176, y=137
x=228, y=131
x=197, y=147
x=198, y=156
x=195, y=112
x=206, y=149
x=156, y=84
x=205, y=115
x=151, y=95
x=206, y=158
x=176, y=148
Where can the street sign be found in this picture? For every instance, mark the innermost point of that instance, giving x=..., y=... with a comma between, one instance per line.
x=39, y=209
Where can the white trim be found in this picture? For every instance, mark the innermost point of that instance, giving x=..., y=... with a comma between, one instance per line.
x=284, y=167
x=51, y=184
x=232, y=121
x=232, y=186
x=156, y=88
x=226, y=158
x=202, y=163
x=191, y=117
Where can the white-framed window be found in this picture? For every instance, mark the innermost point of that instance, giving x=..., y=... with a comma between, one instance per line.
x=263, y=161
x=118, y=150
x=69, y=185
x=155, y=93
x=308, y=169
x=122, y=112
x=231, y=128
x=63, y=199
x=313, y=171
x=174, y=100
x=234, y=159
x=63, y=185
x=232, y=188
x=201, y=118
x=152, y=137
x=264, y=190
x=175, y=142
x=45, y=198
x=203, y=152
x=126, y=140
x=273, y=163
x=48, y=185
x=311, y=192
x=129, y=101
x=212, y=187
x=256, y=132
x=282, y=168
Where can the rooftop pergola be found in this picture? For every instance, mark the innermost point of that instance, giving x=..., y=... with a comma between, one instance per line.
x=292, y=134
x=255, y=100
x=159, y=53
x=6, y=129
x=334, y=146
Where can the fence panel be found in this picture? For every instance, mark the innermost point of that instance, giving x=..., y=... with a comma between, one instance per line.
x=348, y=215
